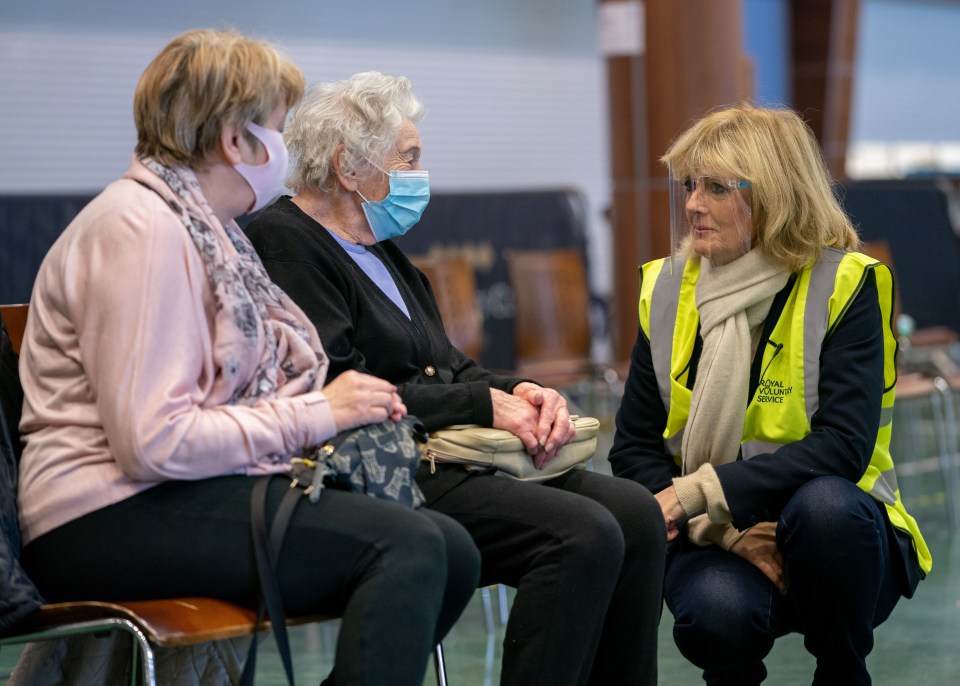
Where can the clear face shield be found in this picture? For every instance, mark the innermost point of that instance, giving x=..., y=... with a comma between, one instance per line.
x=710, y=216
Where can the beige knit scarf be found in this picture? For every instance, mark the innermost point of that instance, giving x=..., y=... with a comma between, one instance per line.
x=732, y=299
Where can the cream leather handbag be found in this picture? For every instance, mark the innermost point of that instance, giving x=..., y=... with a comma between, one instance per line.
x=478, y=447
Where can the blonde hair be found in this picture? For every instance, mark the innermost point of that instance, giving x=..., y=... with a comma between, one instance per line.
x=364, y=113
x=202, y=80
x=794, y=209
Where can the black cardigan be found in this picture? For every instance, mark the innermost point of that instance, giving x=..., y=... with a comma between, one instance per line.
x=362, y=329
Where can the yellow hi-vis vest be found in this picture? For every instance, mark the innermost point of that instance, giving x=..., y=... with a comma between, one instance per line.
x=779, y=412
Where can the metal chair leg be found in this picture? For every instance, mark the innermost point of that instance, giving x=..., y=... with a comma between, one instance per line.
x=487, y=609
x=504, y=604
x=948, y=453
x=141, y=650
x=439, y=665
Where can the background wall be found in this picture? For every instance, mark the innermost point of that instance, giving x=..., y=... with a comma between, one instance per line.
x=515, y=91
x=906, y=99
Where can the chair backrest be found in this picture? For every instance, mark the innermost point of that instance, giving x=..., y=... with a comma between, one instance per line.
x=15, y=319
x=552, y=298
x=455, y=289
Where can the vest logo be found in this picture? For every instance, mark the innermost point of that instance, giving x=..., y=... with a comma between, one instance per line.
x=773, y=391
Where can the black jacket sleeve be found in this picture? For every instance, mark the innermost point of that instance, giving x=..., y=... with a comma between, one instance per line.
x=638, y=451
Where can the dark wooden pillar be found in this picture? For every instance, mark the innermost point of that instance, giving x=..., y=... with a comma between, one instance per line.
x=823, y=47
x=692, y=62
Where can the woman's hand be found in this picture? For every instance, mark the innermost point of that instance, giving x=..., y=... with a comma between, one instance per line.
x=554, y=429
x=673, y=513
x=758, y=546
x=357, y=399
x=516, y=415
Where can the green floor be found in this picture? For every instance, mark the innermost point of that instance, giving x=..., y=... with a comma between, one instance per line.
x=919, y=645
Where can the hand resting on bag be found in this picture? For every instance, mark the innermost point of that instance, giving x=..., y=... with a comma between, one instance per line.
x=357, y=399
x=537, y=416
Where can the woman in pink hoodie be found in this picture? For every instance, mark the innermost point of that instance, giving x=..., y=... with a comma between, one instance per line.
x=162, y=369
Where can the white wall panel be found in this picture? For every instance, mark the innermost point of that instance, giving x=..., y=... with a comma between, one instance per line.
x=504, y=117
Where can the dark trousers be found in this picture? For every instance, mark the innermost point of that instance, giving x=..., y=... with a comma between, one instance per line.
x=398, y=577
x=585, y=553
x=844, y=575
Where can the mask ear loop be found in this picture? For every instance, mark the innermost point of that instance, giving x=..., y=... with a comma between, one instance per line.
x=378, y=168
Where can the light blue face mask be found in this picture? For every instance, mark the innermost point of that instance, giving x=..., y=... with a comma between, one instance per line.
x=402, y=208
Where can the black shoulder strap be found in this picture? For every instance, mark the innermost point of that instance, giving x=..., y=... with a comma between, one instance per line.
x=267, y=551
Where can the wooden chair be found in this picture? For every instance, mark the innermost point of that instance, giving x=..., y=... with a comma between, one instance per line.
x=455, y=289
x=552, y=329
x=552, y=315
x=15, y=317
x=151, y=623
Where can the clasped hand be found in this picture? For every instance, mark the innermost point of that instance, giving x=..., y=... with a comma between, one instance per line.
x=537, y=416
x=357, y=399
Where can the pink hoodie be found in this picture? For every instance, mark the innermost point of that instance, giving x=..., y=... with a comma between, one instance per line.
x=118, y=370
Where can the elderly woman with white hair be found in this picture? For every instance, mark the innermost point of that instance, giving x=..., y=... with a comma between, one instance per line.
x=585, y=551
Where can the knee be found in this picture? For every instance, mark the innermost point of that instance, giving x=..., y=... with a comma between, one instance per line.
x=463, y=560
x=416, y=551
x=642, y=522
x=636, y=511
x=714, y=624
x=831, y=509
x=592, y=541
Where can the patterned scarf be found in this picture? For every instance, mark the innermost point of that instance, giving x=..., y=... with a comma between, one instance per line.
x=263, y=344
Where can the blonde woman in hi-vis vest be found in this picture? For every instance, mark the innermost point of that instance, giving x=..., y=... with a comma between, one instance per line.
x=758, y=408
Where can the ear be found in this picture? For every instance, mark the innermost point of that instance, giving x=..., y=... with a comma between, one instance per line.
x=230, y=137
x=347, y=180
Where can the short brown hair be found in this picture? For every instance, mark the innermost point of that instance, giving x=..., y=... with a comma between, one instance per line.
x=795, y=211
x=201, y=80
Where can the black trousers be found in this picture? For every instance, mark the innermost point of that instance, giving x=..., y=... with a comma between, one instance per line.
x=586, y=555
x=398, y=577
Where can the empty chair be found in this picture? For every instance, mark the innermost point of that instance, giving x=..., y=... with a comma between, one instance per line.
x=552, y=335
x=455, y=289
x=552, y=316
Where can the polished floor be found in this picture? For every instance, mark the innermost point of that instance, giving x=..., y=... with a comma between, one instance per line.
x=919, y=645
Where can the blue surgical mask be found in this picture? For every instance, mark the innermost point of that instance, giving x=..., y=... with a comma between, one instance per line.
x=402, y=208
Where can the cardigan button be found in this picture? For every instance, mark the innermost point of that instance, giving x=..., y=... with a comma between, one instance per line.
x=430, y=370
